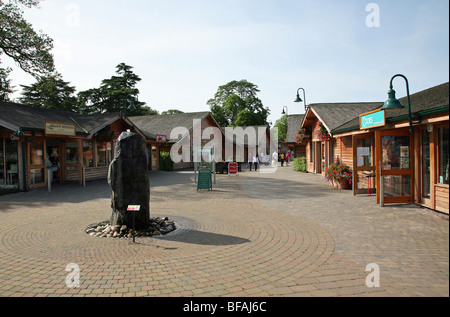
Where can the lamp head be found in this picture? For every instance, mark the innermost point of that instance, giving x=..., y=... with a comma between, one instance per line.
x=392, y=102
x=131, y=106
x=284, y=112
x=298, y=99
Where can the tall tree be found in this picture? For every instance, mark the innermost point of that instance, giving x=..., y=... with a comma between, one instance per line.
x=238, y=99
x=5, y=84
x=50, y=92
x=115, y=94
x=172, y=111
x=282, y=125
x=19, y=41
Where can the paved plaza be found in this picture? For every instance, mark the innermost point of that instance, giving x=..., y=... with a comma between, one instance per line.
x=253, y=235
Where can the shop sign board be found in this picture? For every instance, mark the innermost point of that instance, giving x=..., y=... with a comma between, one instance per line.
x=372, y=119
x=232, y=168
x=56, y=128
x=204, y=179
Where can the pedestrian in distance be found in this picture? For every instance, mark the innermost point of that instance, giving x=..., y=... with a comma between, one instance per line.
x=282, y=158
x=255, y=162
x=274, y=159
x=250, y=163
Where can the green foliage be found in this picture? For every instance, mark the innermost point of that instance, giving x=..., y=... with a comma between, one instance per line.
x=19, y=41
x=50, y=92
x=165, y=162
x=5, y=84
x=237, y=104
x=172, y=111
x=282, y=125
x=114, y=95
x=300, y=164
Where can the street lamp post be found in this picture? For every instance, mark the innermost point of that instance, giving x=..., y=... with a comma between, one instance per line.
x=130, y=107
x=394, y=103
x=298, y=99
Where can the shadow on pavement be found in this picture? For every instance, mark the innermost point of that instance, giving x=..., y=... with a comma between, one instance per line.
x=205, y=238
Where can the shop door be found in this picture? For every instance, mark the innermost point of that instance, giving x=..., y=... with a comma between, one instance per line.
x=363, y=164
x=37, y=163
x=394, y=162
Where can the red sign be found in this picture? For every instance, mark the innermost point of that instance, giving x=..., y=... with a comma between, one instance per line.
x=161, y=138
x=232, y=168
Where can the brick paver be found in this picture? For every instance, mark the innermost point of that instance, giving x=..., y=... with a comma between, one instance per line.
x=255, y=234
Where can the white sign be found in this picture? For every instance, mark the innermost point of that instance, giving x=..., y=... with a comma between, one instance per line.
x=134, y=207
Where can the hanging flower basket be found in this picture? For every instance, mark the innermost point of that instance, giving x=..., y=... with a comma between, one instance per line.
x=303, y=136
x=322, y=132
x=106, y=135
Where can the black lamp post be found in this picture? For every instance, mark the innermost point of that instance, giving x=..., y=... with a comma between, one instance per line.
x=394, y=103
x=298, y=99
x=130, y=107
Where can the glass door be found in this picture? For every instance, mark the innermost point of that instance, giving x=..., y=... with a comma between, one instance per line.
x=37, y=163
x=395, y=166
x=363, y=164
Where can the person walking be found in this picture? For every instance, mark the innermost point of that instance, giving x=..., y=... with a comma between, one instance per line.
x=282, y=158
x=250, y=163
x=274, y=159
x=255, y=162
x=288, y=155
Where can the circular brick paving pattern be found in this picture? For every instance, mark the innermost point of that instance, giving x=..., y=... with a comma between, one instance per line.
x=221, y=236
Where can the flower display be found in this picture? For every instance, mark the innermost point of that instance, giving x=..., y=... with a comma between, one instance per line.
x=322, y=132
x=106, y=135
x=339, y=172
x=303, y=136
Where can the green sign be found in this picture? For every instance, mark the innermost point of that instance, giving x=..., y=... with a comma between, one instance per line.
x=372, y=119
x=204, y=179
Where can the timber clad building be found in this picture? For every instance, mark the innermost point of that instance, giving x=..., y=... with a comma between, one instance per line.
x=406, y=167
x=38, y=146
x=41, y=146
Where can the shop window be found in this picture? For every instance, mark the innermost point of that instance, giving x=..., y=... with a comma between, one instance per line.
x=443, y=155
x=2, y=164
x=88, y=154
x=71, y=153
x=11, y=160
x=426, y=182
x=104, y=154
x=9, y=174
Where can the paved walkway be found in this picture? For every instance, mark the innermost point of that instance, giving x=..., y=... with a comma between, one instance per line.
x=255, y=234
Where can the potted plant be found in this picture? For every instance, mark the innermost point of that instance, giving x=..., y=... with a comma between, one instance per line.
x=339, y=173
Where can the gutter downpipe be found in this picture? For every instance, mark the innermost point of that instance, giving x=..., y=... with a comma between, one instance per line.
x=24, y=174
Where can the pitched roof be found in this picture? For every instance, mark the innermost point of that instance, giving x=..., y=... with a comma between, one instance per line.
x=333, y=115
x=155, y=125
x=435, y=99
x=17, y=116
x=294, y=123
x=245, y=133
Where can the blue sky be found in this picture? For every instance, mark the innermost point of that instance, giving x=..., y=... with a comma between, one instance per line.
x=184, y=50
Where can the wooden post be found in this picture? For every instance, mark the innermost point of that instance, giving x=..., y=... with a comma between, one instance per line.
x=381, y=188
x=49, y=183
